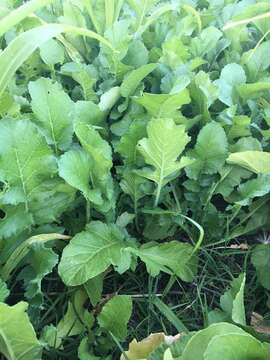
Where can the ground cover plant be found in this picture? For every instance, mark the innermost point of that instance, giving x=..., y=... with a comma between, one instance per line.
x=134, y=179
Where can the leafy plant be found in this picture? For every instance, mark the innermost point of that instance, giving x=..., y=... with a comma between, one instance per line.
x=134, y=176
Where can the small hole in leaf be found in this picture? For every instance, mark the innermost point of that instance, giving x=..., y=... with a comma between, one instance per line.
x=2, y=214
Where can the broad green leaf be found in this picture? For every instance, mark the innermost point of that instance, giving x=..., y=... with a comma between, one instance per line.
x=165, y=143
x=231, y=76
x=163, y=105
x=204, y=93
x=175, y=53
x=261, y=260
x=101, y=155
x=115, y=315
x=137, y=54
x=206, y=41
x=52, y=52
x=127, y=146
x=18, y=338
x=89, y=113
x=25, y=161
x=94, y=288
x=17, y=15
x=210, y=151
x=76, y=168
x=171, y=257
x=257, y=61
x=236, y=346
x=134, y=185
x=83, y=351
x=232, y=302
x=72, y=322
x=85, y=75
x=15, y=220
x=26, y=43
x=199, y=342
x=255, y=161
x=40, y=261
x=142, y=349
x=91, y=252
x=53, y=112
x=253, y=188
x=132, y=81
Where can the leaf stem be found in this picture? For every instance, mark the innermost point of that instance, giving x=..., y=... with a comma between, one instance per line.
x=88, y=211
x=158, y=194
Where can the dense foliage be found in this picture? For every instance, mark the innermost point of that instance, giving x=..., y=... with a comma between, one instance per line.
x=134, y=179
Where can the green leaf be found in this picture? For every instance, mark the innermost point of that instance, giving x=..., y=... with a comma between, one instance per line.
x=231, y=76
x=134, y=185
x=206, y=41
x=25, y=161
x=165, y=143
x=137, y=54
x=26, y=43
x=257, y=61
x=89, y=113
x=109, y=99
x=72, y=322
x=127, y=146
x=115, y=315
x=255, y=161
x=210, y=151
x=132, y=81
x=198, y=344
x=94, y=288
x=171, y=257
x=232, y=302
x=76, y=168
x=253, y=188
x=23, y=249
x=101, y=155
x=163, y=105
x=204, y=93
x=91, y=252
x=83, y=351
x=41, y=261
x=235, y=346
x=261, y=260
x=85, y=75
x=53, y=112
x=18, y=338
x=51, y=52
x=15, y=220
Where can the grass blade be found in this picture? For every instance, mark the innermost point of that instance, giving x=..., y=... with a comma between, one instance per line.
x=170, y=315
x=21, y=13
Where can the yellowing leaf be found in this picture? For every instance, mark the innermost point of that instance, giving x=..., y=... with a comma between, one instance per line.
x=141, y=350
x=256, y=161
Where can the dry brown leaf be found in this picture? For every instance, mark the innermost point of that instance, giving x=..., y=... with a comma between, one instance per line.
x=257, y=323
x=239, y=246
